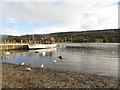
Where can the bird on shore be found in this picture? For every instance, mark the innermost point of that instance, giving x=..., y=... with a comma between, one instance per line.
x=42, y=66
x=28, y=69
x=22, y=63
x=61, y=57
x=19, y=65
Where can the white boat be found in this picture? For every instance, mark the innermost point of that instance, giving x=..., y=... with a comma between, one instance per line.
x=41, y=46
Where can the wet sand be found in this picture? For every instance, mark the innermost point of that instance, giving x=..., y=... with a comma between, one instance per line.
x=16, y=76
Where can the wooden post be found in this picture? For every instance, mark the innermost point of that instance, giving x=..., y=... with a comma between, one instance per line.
x=5, y=40
x=21, y=41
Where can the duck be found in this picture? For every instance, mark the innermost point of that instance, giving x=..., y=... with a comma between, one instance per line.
x=36, y=52
x=43, y=54
x=61, y=57
x=54, y=61
x=7, y=53
x=113, y=52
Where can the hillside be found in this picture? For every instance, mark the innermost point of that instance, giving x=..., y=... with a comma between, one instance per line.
x=103, y=36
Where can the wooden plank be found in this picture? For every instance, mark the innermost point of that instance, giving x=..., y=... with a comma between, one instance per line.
x=13, y=46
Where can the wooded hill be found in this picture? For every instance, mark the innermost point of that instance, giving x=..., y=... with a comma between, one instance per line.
x=102, y=36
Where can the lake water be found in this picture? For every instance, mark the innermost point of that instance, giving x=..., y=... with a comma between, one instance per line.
x=101, y=59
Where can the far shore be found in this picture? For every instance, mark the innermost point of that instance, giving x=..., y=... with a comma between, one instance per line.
x=16, y=76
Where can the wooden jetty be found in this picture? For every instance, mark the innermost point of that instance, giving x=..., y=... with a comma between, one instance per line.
x=9, y=46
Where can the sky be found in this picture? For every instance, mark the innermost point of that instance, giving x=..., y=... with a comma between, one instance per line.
x=21, y=17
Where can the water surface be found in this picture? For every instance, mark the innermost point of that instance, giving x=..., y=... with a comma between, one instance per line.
x=101, y=59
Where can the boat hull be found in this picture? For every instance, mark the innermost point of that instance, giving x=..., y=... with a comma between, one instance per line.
x=41, y=46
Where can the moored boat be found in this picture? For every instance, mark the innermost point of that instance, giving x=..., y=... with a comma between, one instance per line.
x=41, y=46
x=43, y=43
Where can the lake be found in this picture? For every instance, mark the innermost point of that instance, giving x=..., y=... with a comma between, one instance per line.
x=93, y=58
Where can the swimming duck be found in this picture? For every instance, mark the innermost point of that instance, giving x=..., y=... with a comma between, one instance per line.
x=60, y=57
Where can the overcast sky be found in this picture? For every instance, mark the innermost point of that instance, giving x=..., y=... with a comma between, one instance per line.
x=20, y=17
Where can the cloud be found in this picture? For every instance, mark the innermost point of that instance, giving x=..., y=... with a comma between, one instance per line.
x=12, y=20
x=38, y=0
x=68, y=15
x=47, y=30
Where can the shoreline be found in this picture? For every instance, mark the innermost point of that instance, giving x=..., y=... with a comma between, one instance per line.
x=16, y=76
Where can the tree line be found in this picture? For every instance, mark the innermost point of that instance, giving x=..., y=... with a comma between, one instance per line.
x=93, y=36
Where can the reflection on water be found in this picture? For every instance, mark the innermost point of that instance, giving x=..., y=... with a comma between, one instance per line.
x=102, y=61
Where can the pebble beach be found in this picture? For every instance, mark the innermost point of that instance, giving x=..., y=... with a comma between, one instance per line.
x=17, y=76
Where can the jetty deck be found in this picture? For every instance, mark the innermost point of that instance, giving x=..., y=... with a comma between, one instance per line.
x=95, y=45
x=13, y=46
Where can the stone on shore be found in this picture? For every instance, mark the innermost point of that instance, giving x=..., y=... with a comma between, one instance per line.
x=46, y=78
